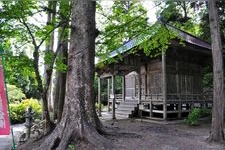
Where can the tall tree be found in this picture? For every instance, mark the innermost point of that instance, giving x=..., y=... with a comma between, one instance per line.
x=60, y=74
x=217, y=133
x=51, y=18
x=75, y=124
x=125, y=21
x=35, y=34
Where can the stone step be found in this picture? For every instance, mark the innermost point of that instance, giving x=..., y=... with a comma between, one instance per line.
x=122, y=116
x=126, y=108
x=130, y=102
x=123, y=112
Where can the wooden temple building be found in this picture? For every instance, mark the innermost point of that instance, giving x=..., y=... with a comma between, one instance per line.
x=165, y=87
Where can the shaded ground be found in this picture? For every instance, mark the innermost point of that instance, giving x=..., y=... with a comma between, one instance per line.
x=131, y=134
x=136, y=135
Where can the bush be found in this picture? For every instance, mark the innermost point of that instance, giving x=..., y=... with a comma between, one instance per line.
x=96, y=106
x=17, y=110
x=196, y=114
x=15, y=94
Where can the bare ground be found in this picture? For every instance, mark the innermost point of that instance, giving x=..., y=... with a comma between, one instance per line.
x=131, y=134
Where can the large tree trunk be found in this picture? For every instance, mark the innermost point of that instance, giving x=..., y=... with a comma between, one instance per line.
x=75, y=123
x=217, y=133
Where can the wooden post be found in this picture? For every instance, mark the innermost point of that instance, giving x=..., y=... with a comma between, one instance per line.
x=108, y=94
x=139, y=88
x=99, y=97
x=114, y=98
x=178, y=90
x=123, y=87
x=146, y=80
x=150, y=107
x=164, y=86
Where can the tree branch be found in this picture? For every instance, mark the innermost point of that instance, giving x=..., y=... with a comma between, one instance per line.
x=29, y=31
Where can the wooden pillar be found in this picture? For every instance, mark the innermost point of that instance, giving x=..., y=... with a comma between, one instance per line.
x=146, y=86
x=114, y=98
x=123, y=87
x=139, y=88
x=99, y=97
x=108, y=93
x=178, y=90
x=164, y=86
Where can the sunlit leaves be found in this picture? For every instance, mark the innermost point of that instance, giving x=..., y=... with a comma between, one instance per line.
x=60, y=65
x=127, y=20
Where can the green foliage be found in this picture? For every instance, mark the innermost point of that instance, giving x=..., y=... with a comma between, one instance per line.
x=71, y=147
x=15, y=94
x=196, y=114
x=208, y=80
x=125, y=21
x=48, y=56
x=19, y=71
x=159, y=40
x=96, y=106
x=17, y=110
x=60, y=64
x=180, y=14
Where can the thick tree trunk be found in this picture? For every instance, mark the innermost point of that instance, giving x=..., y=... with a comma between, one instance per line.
x=217, y=133
x=75, y=123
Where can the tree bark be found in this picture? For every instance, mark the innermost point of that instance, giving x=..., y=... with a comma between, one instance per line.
x=217, y=133
x=49, y=48
x=60, y=84
x=75, y=123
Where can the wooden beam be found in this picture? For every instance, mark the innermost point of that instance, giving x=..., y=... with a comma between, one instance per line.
x=164, y=86
x=99, y=97
x=114, y=98
x=105, y=75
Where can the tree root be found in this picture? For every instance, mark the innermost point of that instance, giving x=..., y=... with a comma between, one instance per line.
x=61, y=137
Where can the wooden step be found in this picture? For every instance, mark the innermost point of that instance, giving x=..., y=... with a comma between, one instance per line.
x=126, y=108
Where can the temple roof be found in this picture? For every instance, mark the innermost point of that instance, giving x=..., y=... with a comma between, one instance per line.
x=142, y=38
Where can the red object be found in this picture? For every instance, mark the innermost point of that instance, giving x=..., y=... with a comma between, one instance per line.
x=4, y=119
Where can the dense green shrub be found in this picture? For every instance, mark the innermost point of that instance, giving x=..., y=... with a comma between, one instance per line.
x=15, y=94
x=196, y=114
x=17, y=110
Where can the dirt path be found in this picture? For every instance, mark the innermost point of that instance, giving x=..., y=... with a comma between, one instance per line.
x=136, y=135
